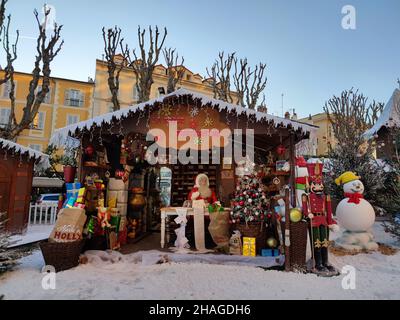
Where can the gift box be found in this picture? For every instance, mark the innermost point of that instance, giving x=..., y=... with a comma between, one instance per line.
x=122, y=196
x=123, y=209
x=73, y=189
x=270, y=252
x=249, y=247
x=112, y=198
x=117, y=185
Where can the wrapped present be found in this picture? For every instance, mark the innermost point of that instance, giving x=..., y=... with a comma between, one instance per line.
x=249, y=247
x=112, y=198
x=70, y=203
x=73, y=189
x=117, y=185
x=123, y=209
x=81, y=195
x=122, y=196
x=270, y=252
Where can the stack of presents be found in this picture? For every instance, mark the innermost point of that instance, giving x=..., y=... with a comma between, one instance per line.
x=94, y=212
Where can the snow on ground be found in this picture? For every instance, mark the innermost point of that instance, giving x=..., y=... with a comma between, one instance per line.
x=377, y=277
x=33, y=234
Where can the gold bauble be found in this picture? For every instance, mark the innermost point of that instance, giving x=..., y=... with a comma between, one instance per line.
x=271, y=242
x=295, y=215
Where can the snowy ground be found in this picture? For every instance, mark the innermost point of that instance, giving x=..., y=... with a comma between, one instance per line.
x=33, y=234
x=377, y=277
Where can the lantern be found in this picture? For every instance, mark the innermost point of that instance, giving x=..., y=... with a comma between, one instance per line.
x=89, y=150
x=280, y=150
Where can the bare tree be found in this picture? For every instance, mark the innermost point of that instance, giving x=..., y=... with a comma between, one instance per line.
x=46, y=51
x=2, y=12
x=258, y=83
x=350, y=117
x=240, y=80
x=248, y=83
x=112, y=41
x=220, y=74
x=143, y=66
x=175, y=72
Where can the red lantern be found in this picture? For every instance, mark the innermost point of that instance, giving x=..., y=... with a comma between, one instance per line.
x=89, y=150
x=280, y=150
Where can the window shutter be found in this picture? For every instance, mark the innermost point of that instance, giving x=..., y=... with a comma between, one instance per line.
x=81, y=98
x=67, y=97
x=4, y=115
x=6, y=89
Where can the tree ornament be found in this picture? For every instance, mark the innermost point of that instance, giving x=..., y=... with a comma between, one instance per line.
x=272, y=242
x=295, y=215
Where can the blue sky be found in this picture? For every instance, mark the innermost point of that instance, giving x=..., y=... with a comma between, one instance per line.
x=309, y=56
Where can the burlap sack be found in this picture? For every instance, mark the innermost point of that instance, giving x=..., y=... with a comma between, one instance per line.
x=219, y=228
x=69, y=225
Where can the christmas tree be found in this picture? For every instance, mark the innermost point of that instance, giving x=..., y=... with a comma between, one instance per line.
x=250, y=203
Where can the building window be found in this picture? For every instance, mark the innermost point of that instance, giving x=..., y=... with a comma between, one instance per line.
x=135, y=93
x=188, y=77
x=74, y=98
x=161, y=91
x=7, y=88
x=38, y=122
x=36, y=147
x=47, y=97
x=72, y=119
x=4, y=116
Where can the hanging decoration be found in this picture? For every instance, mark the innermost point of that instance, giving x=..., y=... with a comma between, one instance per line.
x=194, y=111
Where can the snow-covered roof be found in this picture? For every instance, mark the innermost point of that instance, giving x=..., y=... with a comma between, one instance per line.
x=60, y=135
x=42, y=160
x=390, y=116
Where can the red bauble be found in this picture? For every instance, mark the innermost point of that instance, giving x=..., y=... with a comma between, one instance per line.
x=281, y=150
x=261, y=216
x=89, y=150
x=241, y=203
x=269, y=216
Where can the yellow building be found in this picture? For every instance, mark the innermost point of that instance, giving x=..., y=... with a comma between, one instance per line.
x=325, y=138
x=128, y=94
x=68, y=102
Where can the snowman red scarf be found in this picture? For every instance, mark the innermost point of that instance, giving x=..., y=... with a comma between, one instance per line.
x=354, y=197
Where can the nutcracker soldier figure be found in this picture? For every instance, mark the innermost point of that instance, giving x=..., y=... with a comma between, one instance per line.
x=317, y=207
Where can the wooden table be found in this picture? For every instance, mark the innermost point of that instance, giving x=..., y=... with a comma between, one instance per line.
x=171, y=211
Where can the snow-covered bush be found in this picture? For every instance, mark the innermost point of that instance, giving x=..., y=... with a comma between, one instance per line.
x=7, y=257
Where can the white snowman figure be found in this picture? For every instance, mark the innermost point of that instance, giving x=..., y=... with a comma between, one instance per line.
x=355, y=215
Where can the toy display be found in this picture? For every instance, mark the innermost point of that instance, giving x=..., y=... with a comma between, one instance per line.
x=355, y=215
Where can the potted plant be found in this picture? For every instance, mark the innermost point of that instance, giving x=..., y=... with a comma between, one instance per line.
x=68, y=161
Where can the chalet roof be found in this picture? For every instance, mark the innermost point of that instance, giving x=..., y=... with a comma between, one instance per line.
x=61, y=135
x=42, y=160
x=390, y=116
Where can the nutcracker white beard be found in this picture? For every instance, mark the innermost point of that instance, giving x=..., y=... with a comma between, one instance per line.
x=204, y=191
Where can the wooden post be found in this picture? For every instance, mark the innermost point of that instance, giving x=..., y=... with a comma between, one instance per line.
x=292, y=161
x=287, y=231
